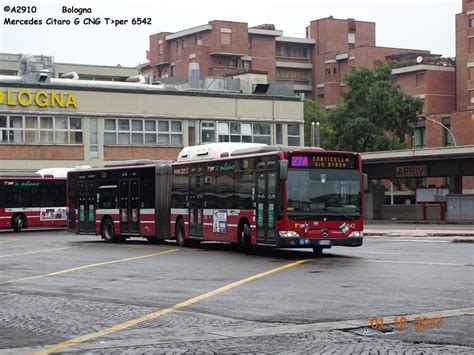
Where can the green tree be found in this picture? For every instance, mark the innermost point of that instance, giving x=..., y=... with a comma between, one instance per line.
x=313, y=113
x=375, y=114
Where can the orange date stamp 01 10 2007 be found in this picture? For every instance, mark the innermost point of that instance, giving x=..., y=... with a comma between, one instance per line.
x=402, y=323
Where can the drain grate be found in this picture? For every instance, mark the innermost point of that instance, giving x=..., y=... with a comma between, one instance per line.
x=369, y=332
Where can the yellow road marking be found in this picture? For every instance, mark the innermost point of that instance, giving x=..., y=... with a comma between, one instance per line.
x=6, y=241
x=39, y=251
x=162, y=312
x=86, y=267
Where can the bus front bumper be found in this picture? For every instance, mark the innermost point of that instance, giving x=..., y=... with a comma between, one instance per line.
x=325, y=243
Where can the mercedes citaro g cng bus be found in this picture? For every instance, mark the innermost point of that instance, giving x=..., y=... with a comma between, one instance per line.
x=251, y=195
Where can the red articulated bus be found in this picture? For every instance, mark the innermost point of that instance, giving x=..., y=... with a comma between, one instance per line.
x=235, y=193
x=31, y=200
x=268, y=195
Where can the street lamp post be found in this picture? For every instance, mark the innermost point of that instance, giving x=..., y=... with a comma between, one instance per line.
x=442, y=125
x=317, y=134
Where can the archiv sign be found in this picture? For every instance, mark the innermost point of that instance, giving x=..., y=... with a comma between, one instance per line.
x=39, y=98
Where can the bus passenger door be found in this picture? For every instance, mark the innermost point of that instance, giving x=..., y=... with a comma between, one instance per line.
x=87, y=202
x=266, y=202
x=196, y=200
x=129, y=207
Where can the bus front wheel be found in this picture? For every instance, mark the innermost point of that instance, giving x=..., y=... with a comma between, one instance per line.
x=18, y=223
x=317, y=251
x=107, y=231
x=180, y=237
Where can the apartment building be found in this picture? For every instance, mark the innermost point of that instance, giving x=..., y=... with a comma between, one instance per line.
x=315, y=65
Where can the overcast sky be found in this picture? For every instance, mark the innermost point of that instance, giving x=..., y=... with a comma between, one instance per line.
x=418, y=24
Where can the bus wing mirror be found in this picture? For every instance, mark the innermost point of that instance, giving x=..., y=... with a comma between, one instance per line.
x=366, y=182
x=283, y=169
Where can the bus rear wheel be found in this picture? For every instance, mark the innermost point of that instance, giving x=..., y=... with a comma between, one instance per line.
x=180, y=237
x=18, y=223
x=107, y=231
x=244, y=238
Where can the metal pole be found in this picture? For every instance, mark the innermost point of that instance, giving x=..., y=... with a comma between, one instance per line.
x=312, y=134
x=317, y=134
x=391, y=192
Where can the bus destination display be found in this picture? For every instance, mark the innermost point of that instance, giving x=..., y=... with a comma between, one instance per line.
x=323, y=161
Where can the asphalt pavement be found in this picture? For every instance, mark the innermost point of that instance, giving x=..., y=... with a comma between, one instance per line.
x=73, y=293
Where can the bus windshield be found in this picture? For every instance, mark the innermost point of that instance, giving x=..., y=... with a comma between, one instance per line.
x=318, y=194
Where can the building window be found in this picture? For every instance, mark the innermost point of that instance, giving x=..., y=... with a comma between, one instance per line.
x=351, y=39
x=419, y=137
x=292, y=52
x=160, y=48
x=471, y=44
x=281, y=51
x=93, y=143
x=225, y=37
x=261, y=133
x=279, y=134
x=420, y=79
x=208, y=132
x=471, y=73
x=448, y=139
x=292, y=74
x=471, y=98
x=40, y=129
x=178, y=46
x=293, y=135
x=241, y=132
x=320, y=93
x=471, y=21
x=191, y=133
x=142, y=132
x=246, y=64
x=199, y=40
x=233, y=63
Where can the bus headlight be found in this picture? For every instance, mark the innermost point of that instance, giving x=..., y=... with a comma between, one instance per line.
x=356, y=234
x=289, y=234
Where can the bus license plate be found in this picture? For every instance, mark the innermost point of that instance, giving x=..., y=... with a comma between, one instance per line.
x=324, y=242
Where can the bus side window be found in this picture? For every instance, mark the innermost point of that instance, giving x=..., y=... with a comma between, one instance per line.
x=179, y=192
x=209, y=191
x=243, y=189
x=107, y=195
x=224, y=190
x=148, y=194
